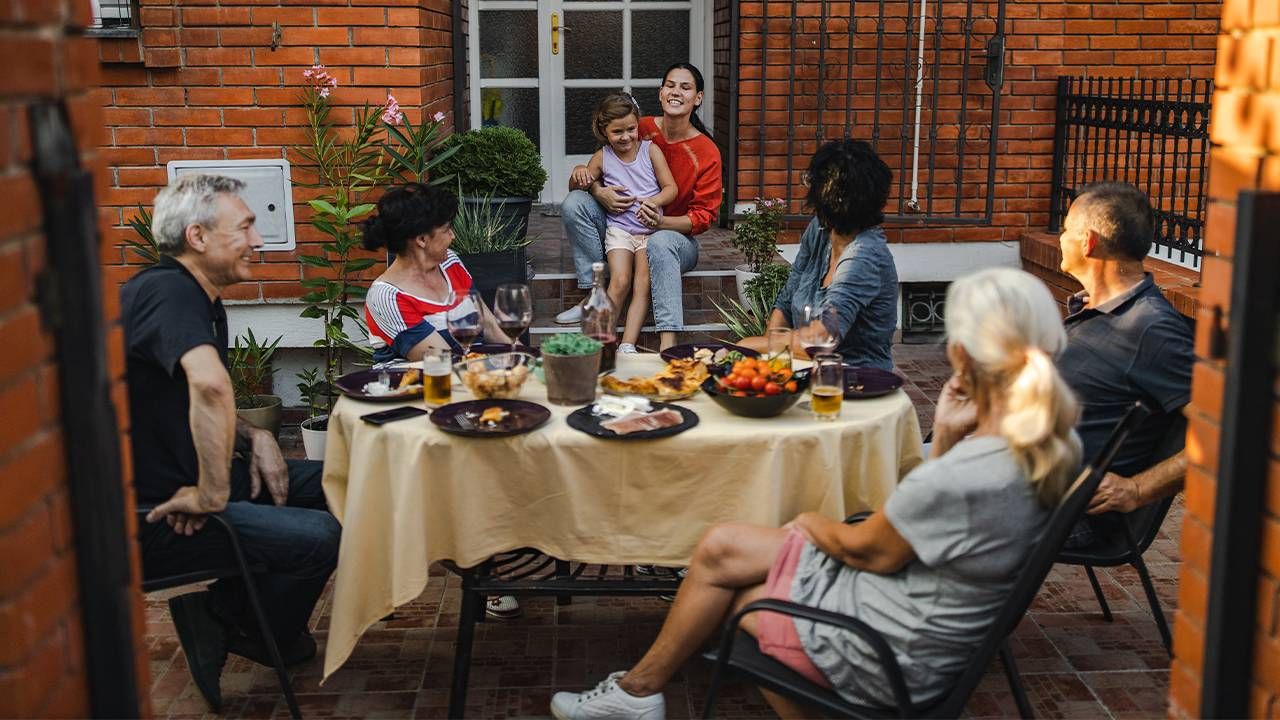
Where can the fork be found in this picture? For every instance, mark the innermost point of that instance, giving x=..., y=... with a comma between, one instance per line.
x=464, y=422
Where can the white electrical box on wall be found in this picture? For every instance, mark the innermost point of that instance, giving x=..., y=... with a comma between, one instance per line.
x=268, y=192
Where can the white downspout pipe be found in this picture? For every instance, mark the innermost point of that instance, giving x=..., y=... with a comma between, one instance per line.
x=914, y=203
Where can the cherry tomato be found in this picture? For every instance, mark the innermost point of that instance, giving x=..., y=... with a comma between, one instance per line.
x=772, y=388
x=748, y=373
x=737, y=367
x=790, y=386
x=731, y=380
x=738, y=393
x=743, y=383
x=758, y=382
x=784, y=375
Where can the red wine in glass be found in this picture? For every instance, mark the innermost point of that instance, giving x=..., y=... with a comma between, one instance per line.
x=608, y=351
x=465, y=337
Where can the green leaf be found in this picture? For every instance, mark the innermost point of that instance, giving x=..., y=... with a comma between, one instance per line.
x=311, y=312
x=315, y=261
x=322, y=206
x=361, y=264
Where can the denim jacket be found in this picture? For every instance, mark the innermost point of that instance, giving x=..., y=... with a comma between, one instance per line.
x=864, y=292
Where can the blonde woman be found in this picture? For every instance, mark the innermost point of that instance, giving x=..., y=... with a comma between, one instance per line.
x=929, y=570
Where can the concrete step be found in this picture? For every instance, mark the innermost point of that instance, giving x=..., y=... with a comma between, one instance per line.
x=554, y=293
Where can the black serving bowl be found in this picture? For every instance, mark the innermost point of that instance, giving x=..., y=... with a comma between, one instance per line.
x=762, y=406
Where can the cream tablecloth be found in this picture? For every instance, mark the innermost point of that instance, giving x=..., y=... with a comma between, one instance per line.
x=408, y=494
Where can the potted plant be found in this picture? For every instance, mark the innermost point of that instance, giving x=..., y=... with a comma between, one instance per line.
x=571, y=362
x=314, y=391
x=751, y=317
x=499, y=175
x=756, y=237
x=251, y=373
x=490, y=245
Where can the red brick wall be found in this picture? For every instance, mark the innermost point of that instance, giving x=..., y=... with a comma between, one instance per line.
x=202, y=82
x=42, y=671
x=1111, y=38
x=1246, y=155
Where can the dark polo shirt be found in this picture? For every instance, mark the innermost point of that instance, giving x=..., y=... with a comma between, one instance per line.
x=1133, y=347
x=165, y=314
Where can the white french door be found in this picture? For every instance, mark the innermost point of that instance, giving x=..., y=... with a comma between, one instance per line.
x=543, y=65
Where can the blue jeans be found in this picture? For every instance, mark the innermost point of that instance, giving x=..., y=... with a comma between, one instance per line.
x=297, y=543
x=670, y=254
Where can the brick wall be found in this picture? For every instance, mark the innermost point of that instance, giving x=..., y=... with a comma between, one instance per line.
x=203, y=82
x=1246, y=155
x=1112, y=38
x=42, y=671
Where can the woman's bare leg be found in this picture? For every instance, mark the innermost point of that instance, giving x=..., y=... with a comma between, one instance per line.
x=639, y=306
x=730, y=560
x=786, y=708
x=620, y=271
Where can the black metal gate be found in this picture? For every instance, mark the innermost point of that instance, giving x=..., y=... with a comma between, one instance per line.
x=920, y=80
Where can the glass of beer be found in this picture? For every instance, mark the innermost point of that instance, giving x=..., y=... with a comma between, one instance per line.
x=826, y=386
x=437, y=375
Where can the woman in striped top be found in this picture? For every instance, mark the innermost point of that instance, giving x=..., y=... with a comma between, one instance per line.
x=407, y=305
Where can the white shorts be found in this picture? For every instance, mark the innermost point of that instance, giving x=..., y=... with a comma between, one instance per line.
x=619, y=239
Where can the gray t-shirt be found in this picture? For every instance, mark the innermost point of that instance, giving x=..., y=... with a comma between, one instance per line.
x=971, y=518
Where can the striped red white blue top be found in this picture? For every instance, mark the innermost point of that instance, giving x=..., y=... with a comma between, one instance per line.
x=398, y=320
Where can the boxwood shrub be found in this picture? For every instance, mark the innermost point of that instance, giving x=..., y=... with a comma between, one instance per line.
x=497, y=161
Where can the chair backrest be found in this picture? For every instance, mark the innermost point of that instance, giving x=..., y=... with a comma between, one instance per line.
x=1039, y=561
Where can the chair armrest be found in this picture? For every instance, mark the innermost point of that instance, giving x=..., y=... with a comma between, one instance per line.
x=870, y=635
x=857, y=517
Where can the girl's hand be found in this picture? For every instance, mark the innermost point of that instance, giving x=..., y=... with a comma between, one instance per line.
x=581, y=177
x=650, y=215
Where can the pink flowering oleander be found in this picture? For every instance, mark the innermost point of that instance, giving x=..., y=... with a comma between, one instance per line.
x=321, y=81
x=438, y=117
x=391, y=115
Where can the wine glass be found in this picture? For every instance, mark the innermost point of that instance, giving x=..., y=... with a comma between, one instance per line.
x=464, y=320
x=513, y=306
x=819, y=333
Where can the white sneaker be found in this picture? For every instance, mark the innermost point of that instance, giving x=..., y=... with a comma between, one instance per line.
x=627, y=349
x=502, y=607
x=572, y=316
x=607, y=700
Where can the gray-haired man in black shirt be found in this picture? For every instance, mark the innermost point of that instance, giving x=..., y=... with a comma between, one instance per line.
x=1125, y=342
x=184, y=434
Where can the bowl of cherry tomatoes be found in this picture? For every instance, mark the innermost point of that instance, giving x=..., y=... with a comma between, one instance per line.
x=758, y=387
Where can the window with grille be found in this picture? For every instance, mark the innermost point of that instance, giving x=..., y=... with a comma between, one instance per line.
x=114, y=14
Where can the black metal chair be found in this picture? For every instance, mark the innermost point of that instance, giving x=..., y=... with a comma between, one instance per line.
x=740, y=653
x=243, y=570
x=1135, y=533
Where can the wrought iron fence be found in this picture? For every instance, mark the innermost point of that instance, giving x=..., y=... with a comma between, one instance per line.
x=114, y=14
x=920, y=81
x=1153, y=134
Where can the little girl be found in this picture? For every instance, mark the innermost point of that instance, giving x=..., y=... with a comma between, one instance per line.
x=626, y=161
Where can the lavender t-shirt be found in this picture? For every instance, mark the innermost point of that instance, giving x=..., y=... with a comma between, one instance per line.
x=640, y=180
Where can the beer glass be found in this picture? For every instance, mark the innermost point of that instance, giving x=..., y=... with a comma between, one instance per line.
x=437, y=376
x=826, y=386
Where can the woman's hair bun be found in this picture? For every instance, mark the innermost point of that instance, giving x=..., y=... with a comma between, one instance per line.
x=374, y=233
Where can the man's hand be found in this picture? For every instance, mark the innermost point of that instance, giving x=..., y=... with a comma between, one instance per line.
x=266, y=464
x=1116, y=493
x=185, y=511
x=581, y=177
x=612, y=198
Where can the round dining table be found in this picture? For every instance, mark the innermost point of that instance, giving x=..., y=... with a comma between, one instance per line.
x=409, y=494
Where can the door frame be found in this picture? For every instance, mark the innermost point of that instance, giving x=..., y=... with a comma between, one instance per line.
x=550, y=77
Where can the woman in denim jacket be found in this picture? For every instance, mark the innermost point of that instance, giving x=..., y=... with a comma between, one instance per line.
x=844, y=262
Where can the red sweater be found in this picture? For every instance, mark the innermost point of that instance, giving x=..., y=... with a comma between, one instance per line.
x=695, y=165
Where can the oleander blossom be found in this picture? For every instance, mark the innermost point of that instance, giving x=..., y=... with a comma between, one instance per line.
x=438, y=117
x=321, y=81
x=391, y=114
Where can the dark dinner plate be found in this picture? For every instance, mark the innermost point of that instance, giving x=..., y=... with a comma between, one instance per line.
x=862, y=383
x=688, y=349
x=463, y=418
x=582, y=419
x=498, y=348
x=352, y=385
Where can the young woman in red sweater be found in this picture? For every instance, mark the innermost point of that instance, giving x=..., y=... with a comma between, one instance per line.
x=694, y=160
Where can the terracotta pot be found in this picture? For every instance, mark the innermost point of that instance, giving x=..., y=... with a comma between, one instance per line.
x=571, y=379
x=314, y=432
x=266, y=417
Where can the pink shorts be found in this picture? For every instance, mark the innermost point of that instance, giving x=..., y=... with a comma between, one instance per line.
x=619, y=239
x=776, y=633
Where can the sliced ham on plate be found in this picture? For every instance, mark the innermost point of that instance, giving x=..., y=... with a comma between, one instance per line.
x=640, y=422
